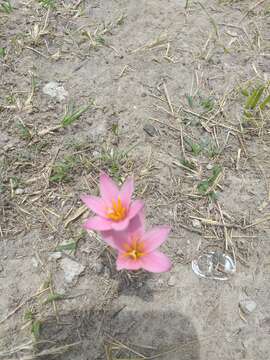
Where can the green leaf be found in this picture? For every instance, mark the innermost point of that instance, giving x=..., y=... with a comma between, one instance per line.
x=36, y=327
x=53, y=297
x=265, y=102
x=203, y=186
x=196, y=149
x=190, y=100
x=28, y=315
x=188, y=164
x=2, y=52
x=244, y=92
x=71, y=246
x=254, y=98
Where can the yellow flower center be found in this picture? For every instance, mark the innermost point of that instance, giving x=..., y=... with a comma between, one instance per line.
x=117, y=211
x=135, y=250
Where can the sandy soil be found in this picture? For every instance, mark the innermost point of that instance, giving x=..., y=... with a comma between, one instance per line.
x=159, y=90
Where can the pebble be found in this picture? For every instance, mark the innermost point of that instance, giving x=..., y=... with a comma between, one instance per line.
x=72, y=269
x=196, y=223
x=55, y=90
x=209, y=167
x=98, y=267
x=172, y=281
x=247, y=306
x=55, y=256
x=35, y=262
x=107, y=273
x=96, y=153
x=19, y=191
x=150, y=130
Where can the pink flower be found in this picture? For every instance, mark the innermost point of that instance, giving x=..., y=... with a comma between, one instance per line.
x=138, y=249
x=114, y=208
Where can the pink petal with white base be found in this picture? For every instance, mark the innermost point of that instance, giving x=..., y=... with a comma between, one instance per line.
x=108, y=189
x=116, y=239
x=156, y=262
x=119, y=225
x=97, y=223
x=123, y=262
x=155, y=237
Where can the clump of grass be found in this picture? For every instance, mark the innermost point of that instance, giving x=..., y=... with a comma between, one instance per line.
x=73, y=114
x=114, y=159
x=206, y=103
x=189, y=164
x=35, y=323
x=47, y=3
x=257, y=100
x=204, y=187
x=61, y=171
x=6, y=7
x=24, y=132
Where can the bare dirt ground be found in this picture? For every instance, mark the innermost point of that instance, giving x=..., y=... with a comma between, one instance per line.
x=175, y=93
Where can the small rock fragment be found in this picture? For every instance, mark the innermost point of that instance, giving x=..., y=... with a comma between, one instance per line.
x=150, y=130
x=172, y=281
x=209, y=167
x=107, y=273
x=247, y=306
x=35, y=262
x=72, y=269
x=55, y=256
x=19, y=191
x=98, y=267
x=196, y=223
x=55, y=90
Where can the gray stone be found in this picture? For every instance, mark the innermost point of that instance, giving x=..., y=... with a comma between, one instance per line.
x=98, y=267
x=19, y=191
x=209, y=167
x=172, y=281
x=55, y=256
x=196, y=223
x=55, y=90
x=150, y=130
x=247, y=306
x=72, y=269
x=35, y=262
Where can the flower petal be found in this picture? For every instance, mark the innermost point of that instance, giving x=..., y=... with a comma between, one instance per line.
x=135, y=207
x=120, y=225
x=156, y=262
x=94, y=203
x=155, y=237
x=108, y=189
x=126, y=192
x=97, y=223
x=136, y=225
x=116, y=239
x=123, y=262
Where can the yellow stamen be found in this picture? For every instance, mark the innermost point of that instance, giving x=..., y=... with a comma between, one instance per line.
x=117, y=211
x=135, y=250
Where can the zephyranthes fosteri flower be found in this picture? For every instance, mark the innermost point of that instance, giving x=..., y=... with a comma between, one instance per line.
x=121, y=224
x=114, y=208
x=138, y=249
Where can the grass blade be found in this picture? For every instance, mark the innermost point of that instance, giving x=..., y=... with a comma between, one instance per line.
x=70, y=118
x=265, y=102
x=254, y=98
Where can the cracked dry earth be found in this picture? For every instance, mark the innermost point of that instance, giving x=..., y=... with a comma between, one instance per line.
x=160, y=91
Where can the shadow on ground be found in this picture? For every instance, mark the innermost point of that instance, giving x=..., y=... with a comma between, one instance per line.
x=122, y=334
